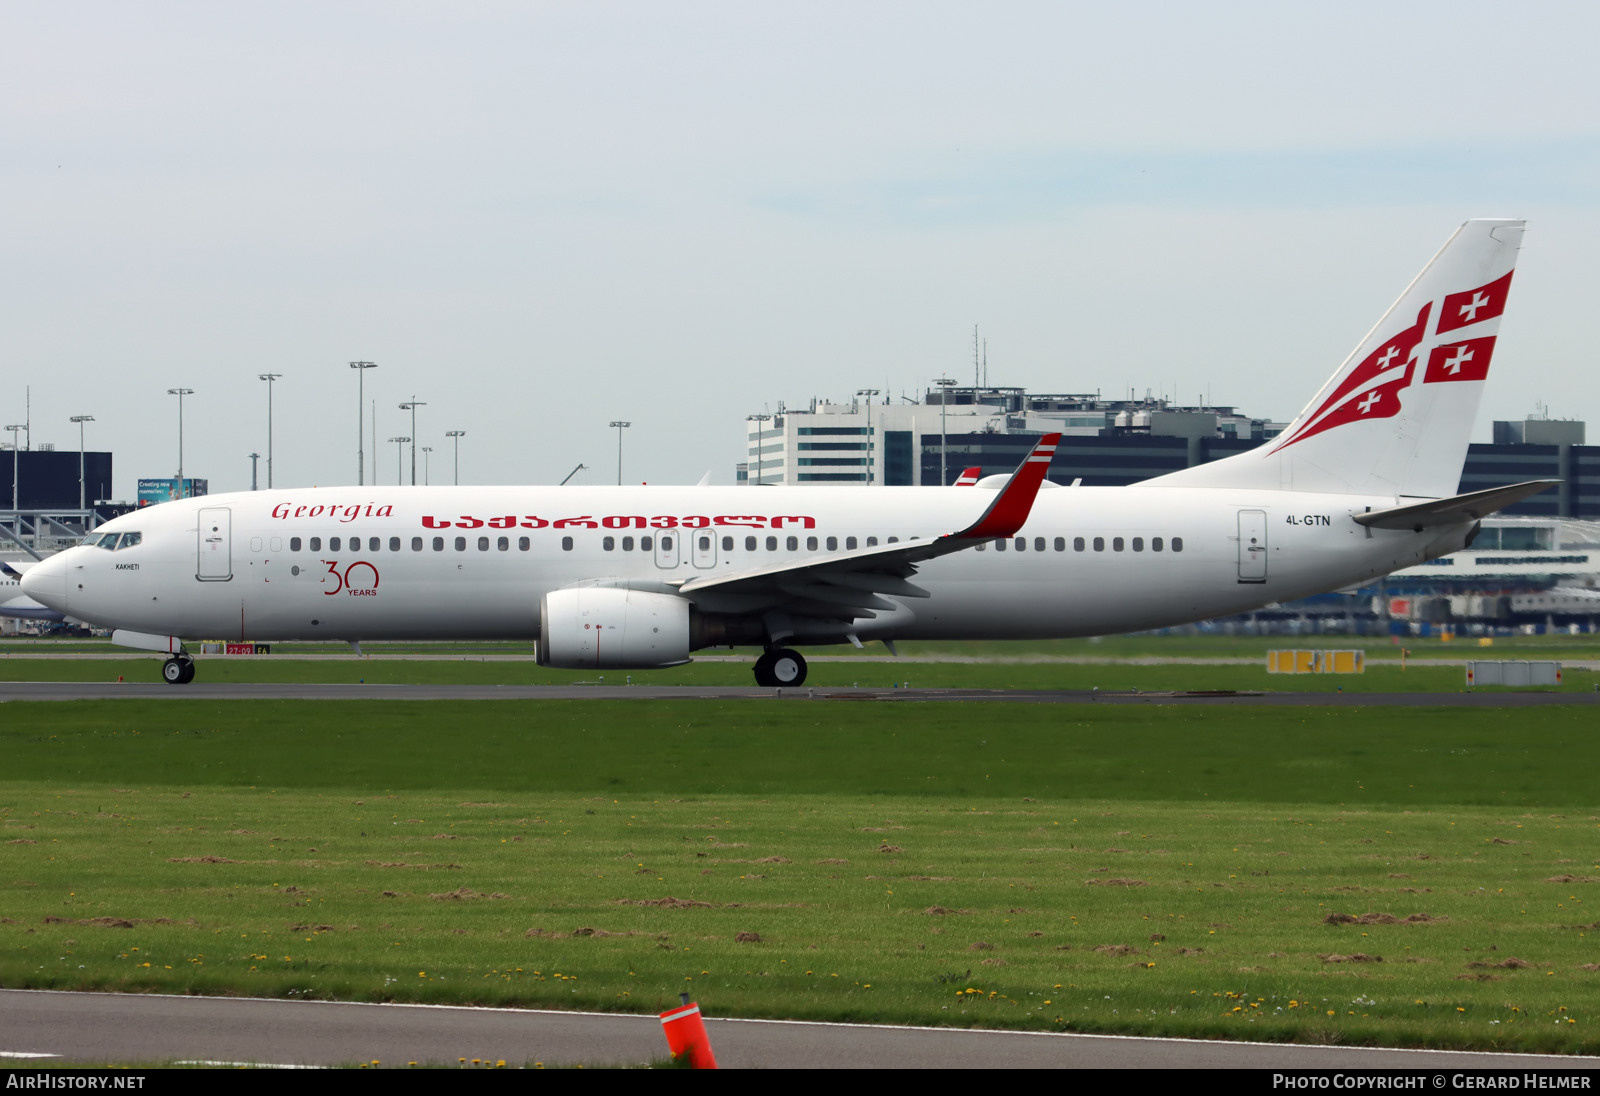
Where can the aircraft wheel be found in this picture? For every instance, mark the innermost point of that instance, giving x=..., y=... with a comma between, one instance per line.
x=177, y=671
x=785, y=667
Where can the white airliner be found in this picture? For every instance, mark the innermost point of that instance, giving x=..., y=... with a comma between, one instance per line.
x=1360, y=484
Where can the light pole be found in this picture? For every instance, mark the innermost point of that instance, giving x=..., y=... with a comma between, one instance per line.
x=426, y=449
x=361, y=409
x=183, y=491
x=944, y=384
x=869, y=393
x=269, y=378
x=620, y=425
x=412, y=407
x=758, y=420
x=458, y=435
x=15, y=430
x=399, y=458
x=80, y=420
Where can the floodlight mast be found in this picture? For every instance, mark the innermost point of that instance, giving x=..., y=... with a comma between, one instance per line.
x=269, y=378
x=458, y=435
x=869, y=393
x=944, y=384
x=399, y=458
x=183, y=491
x=361, y=409
x=412, y=406
x=80, y=420
x=620, y=425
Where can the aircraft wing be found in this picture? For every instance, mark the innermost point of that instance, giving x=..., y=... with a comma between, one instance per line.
x=851, y=585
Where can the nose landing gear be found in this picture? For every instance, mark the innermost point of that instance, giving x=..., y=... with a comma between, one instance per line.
x=780, y=667
x=178, y=670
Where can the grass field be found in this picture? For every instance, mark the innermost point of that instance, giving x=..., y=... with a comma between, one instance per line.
x=1156, y=870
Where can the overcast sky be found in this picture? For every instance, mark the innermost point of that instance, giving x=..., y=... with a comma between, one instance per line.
x=540, y=217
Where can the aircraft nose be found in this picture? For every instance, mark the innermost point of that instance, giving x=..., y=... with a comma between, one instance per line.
x=46, y=583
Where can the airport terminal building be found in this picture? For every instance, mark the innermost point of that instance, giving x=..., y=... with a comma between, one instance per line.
x=1105, y=443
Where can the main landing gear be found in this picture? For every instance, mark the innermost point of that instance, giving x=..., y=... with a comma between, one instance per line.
x=780, y=667
x=178, y=670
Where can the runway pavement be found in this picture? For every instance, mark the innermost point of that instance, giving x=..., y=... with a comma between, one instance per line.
x=201, y=690
x=117, y=1028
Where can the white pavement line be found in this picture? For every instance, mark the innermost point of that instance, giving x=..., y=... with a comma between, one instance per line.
x=25, y=1054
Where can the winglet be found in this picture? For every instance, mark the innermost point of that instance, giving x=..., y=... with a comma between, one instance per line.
x=1009, y=511
x=968, y=477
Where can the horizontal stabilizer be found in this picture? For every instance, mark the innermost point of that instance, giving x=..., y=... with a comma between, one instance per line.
x=1455, y=510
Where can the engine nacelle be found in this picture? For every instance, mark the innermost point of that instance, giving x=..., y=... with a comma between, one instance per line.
x=605, y=628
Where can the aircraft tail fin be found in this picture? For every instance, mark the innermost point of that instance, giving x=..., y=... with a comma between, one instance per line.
x=1395, y=418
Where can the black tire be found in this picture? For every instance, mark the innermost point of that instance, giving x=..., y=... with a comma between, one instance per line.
x=188, y=671
x=177, y=670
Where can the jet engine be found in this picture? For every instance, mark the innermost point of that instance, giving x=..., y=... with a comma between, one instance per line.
x=606, y=628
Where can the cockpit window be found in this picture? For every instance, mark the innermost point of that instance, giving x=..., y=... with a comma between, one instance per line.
x=107, y=541
x=128, y=540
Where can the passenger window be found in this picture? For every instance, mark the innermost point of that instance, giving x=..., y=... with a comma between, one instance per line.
x=833, y=544
x=483, y=544
x=981, y=545
x=666, y=543
x=608, y=544
x=1061, y=544
x=1022, y=544
x=566, y=544
x=645, y=543
x=1138, y=544
x=294, y=544
x=749, y=544
x=394, y=544
x=416, y=544
x=355, y=543
x=522, y=544
x=627, y=544
x=811, y=544
x=1116, y=544
x=438, y=544
x=872, y=542
x=1155, y=544
x=1099, y=544
x=792, y=543
x=727, y=544
x=503, y=544
x=772, y=544
x=375, y=544
x=850, y=544
x=255, y=544
x=316, y=544
x=461, y=544
x=1038, y=544
x=1000, y=545
x=894, y=540
x=1077, y=544
x=275, y=544
x=1177, y=544
x=333, y=544
x=705, y=544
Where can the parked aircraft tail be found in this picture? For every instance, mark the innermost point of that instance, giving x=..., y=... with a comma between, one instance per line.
x=1396, y=417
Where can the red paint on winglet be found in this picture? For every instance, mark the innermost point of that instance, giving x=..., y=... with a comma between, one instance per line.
x=1009, y=511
